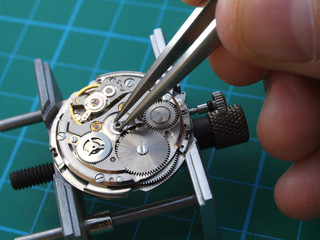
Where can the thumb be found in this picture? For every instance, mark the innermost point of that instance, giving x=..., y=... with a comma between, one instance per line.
x=273, y=34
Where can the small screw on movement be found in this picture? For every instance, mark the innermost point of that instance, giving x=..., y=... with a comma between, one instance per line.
x=61, y=136
x=129, y=82
x=74, y=139
x=142, y=149
x=99, y=178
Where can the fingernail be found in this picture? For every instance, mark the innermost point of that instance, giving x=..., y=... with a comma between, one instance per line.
x=279, y=30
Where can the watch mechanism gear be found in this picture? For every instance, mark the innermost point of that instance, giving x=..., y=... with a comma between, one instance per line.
x=161, y=115
x=162, y=175
x=143, y=151
x=93, y=147
x=98, y=159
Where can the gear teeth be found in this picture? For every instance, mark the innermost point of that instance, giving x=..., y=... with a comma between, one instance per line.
x=173, y=118
x=220, y=102
x=126, y=158
x=162, y=176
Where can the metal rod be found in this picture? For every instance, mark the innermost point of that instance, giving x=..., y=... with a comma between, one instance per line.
x=153, y=209
x=20, y=120
x=48, y=235
x=122, y=217
x=23, y=119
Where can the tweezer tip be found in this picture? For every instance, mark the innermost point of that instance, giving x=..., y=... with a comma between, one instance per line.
x=117, y=126
x=119, y=115
x=116, y=119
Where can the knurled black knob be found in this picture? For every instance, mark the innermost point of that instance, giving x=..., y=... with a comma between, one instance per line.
x=229, y=128
x=222, y=130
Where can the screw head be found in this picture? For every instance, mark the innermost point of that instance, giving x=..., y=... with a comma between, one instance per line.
x=142, y=149
x=74, y=139
x=99, y=178
x=129, y=82
x=166, y=97
x=61, y=136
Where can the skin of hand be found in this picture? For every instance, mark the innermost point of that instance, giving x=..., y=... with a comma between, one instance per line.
x=279, y=41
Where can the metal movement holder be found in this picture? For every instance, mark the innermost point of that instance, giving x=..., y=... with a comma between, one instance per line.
x=75, y=223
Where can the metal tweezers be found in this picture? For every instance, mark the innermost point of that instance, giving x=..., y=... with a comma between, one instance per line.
x=196, y=38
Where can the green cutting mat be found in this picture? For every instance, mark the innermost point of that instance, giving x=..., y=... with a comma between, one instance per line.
x=81, y=39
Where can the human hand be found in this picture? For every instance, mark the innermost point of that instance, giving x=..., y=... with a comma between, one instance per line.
x=279, y=41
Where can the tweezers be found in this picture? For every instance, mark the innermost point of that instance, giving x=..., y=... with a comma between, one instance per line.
x=195, y=39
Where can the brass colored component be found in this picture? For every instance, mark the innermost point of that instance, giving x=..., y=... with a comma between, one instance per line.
x=78, y=100
x=73, y=117
x=96, y=126
x=87, y=88
x=121, y=106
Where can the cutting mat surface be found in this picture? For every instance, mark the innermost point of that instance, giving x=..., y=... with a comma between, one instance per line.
x=81, y=39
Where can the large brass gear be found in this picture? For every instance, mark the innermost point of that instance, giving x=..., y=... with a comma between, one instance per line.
x=143, y=151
